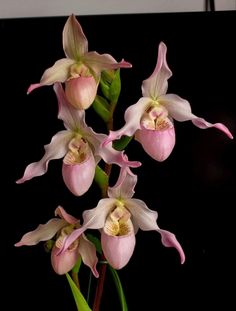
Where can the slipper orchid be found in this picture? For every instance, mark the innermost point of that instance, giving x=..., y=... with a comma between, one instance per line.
x=119, y=217
x=151, y=118
x=80, y=70
x=61, y=228
x=79, y=145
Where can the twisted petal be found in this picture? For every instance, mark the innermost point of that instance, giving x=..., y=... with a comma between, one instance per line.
x=59, y=211
x=42, y=232
x=118, y=249
x=75, y=43
x=158, y=144
x=157, y=84
x=133, y=115
x=180, y=110
x=99, y=62
x=146, y=219
x=55, y=150
x=64, y=262
x=87, y=251
x=124, y=187
x=79, y=177
x=72, y=118
x=57, y=73
x=93, y=219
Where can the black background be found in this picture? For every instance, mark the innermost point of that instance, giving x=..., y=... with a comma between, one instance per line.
x=193, y=190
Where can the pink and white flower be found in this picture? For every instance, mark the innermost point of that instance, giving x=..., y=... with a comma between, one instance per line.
x=151, y=118
x=61, y=228
x=81, y=148
x=119, y=217
x=80, y=70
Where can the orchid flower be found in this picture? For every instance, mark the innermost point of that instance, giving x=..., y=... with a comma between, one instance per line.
x=79, y=145
x=80, y=70
x=119, y=217
x=151, y=118
x=61, y=228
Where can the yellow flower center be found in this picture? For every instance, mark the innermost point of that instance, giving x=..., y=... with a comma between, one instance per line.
x=78, y=151
x=156, y=117
x=118, y=222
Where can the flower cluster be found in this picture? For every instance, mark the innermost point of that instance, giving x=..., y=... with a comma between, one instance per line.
x=118, y=215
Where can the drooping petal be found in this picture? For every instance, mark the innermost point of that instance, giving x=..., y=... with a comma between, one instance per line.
x=75, y=43
x=168, y=239
x=57, y=73
x=64, y=262
x=146, y=220
x=55, y=150
x=59, y=211
x=72, y=118
x=42, y=232
x=157, y=143
x=93, y=219
x=99, y=62
x=79, y=177
x=118, y=249
x=124, y=187
x=157, y=84
x=132, y=116
x=81, y=91
x=180, y=110
x=87, y=251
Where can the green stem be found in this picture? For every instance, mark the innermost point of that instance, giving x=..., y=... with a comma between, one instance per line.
x=103, y=267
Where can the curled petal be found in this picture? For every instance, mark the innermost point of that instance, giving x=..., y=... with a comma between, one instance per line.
x=79, y=177
x=72, y=118
x=75, y=43
x=81, y=91
x=57, y=73
x=99, y=62
x=87, y=251
x=157, y=143
x=55, y=150
x=133, y=115
x=64, y=262
x=124, y=187
x=42, y=232
x=146, y=219
x=93, y=219
x=168, y=239
x=59, y=211
x=157, y=84
x=118, y=249
x=180, y=110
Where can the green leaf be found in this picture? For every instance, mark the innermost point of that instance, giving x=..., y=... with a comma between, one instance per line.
x=115, y=87
x=101, y=106
x=105, y=88
x=78, y=297
x=101, y=177
x=119, y=288
x=95, y=241
x=121, y=143
x=77, y=265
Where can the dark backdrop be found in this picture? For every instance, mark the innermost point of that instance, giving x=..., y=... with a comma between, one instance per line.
x=193, y=191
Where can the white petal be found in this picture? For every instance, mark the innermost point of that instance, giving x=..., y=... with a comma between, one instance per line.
x=93, y=219
x=180, y=110
x=75, y=43
x=124, y=187
x=132, y=116
x=42, y=232
x=55, y=150
x=157, y=84
x=73, y=118
x=87, y=251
